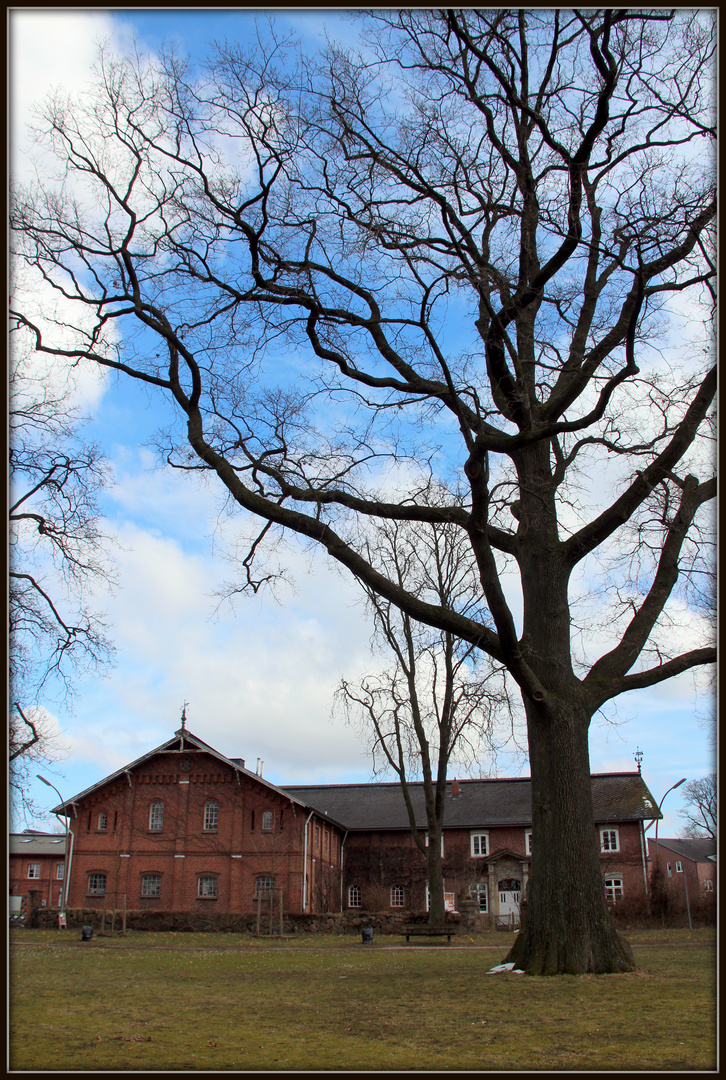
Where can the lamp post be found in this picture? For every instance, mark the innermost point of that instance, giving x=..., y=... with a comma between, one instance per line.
x=685, y=885
x=657, y=819
x=66, y=864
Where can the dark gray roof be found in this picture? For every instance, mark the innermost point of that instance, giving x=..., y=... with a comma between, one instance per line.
x=37, y=844
x=696, y=850
x=616, y=797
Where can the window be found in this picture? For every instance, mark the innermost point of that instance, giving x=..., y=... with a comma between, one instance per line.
x=708, y=885
x=207, y=888
x=263, y=884
x=613, y=889
x=317, y=836
x=151, y=885
x=34, y=870
x=156, y=815
x=669, y=869
x=60, y=871
x=96, y=884
x=528, y=841
x=102, y=821
x=267, y=821
x=442, y=842
x=397, y=896
x=479, y=844
x=679, y=866
x=609, y=840
x=480, y=892
x=354, y=896
x=325, y=841
x=211, y=815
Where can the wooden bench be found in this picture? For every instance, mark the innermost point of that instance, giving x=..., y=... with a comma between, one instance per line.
x=429, y=931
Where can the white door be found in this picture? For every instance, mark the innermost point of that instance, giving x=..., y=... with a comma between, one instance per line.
x=510, y=892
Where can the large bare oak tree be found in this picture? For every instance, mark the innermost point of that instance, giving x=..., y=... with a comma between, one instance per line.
x=457, y=253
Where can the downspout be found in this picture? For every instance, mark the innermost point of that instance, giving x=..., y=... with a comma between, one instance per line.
x=642, y=852
x=69, y=860
x=305, y=865
x=341, y=869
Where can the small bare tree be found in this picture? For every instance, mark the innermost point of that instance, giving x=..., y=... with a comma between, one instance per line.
x=440, y=701
x=700, y=812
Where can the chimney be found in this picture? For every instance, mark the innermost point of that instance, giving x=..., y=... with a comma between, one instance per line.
x=454, y=789
x=260, y=766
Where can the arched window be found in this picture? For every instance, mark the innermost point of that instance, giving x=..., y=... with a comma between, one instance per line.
x=267, y=820
x=156, y=814
x=354, y=896
x=211, y=814
x=102, y=821
x=398, y=896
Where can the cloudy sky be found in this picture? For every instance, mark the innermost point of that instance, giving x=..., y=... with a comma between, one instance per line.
x=259, y=679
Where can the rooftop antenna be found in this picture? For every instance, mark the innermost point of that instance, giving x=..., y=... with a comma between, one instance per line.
x=638, y=758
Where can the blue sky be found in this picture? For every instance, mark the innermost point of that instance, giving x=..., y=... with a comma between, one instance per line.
x=259, y=679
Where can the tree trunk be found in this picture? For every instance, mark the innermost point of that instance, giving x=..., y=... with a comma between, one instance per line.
x=437, y=910
x=568, y=929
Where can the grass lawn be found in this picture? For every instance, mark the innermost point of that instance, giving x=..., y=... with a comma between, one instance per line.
x=223, y=1001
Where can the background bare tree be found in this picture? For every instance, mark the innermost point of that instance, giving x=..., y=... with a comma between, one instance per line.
x=58, y=553
x=454, y=254
x=440, y=700
x=700, y=812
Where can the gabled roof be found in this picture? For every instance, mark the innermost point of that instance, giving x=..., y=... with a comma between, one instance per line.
x=183, y=742
x=37, y=844
x=615, y=796
x=695, y=850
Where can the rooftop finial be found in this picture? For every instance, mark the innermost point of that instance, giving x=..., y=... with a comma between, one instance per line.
x=184, y=716
x=638, y=757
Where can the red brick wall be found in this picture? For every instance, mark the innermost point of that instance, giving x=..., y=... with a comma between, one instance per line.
x=47, y=885
x=235, y=853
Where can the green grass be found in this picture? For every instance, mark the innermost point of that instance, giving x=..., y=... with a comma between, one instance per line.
x=218, y=1001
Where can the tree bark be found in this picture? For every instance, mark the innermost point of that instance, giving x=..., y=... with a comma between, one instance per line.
x=568, y=929
x=437, y=906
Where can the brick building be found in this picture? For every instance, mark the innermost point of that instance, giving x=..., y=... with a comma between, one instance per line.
x=185, y=829
x=694, y=859
x=36, y=870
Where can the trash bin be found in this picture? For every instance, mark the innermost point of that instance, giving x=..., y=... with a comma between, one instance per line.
x=86, y=933
x=367, y=935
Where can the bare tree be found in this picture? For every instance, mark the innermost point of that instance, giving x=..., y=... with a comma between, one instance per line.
x=440, y=700
x=457, y=253
x=57, y=552
x=700, y=810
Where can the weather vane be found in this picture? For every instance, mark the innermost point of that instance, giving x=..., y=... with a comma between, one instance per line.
x=638, y=757
x=184, y=716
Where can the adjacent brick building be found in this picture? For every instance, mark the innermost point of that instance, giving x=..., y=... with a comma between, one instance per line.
x=693, y=859
x=186, y=829
x=36, y=870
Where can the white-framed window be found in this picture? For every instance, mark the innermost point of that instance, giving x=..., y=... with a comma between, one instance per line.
x=207, y=887
x=33, y=870
x=325, y=841
x=268, y=821
x=398, y=896
x=151, y=885
x=96, y=884
x=613, y=889
x=317, y=836
x=528, y=841
x=479, y=844
x=211, y=815
x=679, y=866
x=426, y=840
x=60, y=871
x=102, y=821
x=263, y=884
x=480, y=891
x=354, y=896
x=708, y=885
x=609, y=840
x=669, y=869
x=156, y=815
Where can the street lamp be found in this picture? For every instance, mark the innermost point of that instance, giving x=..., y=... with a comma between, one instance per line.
x=66, y=867
x=657, y=818
x=685, y=885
